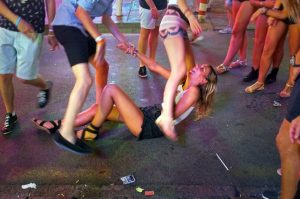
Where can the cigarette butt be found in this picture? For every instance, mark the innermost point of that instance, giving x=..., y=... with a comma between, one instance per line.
x=149, y=193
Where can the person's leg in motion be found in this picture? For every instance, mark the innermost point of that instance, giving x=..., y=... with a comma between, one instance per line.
x=77, y=98
x=142, y=47
x=176, y=53
x=152, y=42
x=238, y=33
x=7, y=94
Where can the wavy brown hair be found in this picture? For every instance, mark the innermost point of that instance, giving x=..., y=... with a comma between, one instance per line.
x=207, y=94
x=293, y=8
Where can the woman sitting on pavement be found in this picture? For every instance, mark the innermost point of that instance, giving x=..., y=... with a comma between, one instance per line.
x=115, y=105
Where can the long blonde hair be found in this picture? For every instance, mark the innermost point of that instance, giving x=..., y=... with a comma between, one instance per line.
x=293, y=8
x=207, y=93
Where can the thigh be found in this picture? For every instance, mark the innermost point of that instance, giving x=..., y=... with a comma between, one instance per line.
x=128, y=110
x=175, y=48
x=28, y=53
x=172, y=25
x=261, y=28
x=8, y=54
x=274, y=35
x=243, y=16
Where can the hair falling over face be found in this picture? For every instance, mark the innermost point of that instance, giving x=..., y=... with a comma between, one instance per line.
x=207, y=93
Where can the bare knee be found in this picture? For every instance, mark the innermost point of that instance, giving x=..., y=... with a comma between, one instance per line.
x=238, y=30
x=110, y=89
x=6, y=78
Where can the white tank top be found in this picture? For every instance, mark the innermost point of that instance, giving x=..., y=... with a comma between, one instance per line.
x=187, y=112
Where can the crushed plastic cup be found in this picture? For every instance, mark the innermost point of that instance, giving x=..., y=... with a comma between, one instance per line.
x=128, y=179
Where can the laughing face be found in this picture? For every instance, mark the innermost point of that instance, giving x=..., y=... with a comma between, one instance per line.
x=199, y=74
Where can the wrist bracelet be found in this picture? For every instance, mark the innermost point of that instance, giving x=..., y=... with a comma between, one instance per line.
x=102, y=41
x=18, y=21
x=264, y=10
x=99, y=38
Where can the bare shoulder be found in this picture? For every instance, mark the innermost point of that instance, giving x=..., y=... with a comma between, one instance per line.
x=192, y=93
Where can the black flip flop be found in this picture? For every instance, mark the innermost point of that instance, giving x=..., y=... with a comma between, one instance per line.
x=79, y=147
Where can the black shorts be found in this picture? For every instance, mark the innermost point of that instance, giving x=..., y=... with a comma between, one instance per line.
x=293, y=109
x=149, y=128
x=78, y=47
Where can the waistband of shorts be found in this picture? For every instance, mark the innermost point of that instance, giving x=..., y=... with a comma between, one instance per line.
x=175, y=7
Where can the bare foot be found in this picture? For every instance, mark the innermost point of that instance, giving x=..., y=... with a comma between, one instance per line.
x=166, y=125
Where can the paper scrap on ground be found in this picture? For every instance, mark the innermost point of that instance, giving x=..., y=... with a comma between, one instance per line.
x=222, y=161
x=149, y=193
x=30, y=185
x=139, y=189
x=276, y=104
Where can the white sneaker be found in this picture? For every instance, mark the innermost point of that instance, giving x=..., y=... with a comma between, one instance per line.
x=227, y=30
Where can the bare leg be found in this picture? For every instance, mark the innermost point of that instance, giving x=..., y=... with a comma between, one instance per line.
x=176, y=53
x=294, y=40
x=7, y=92
x=260, y=37
x=142, y=43
x=152, y=42
x=131, y=114
x=237, y=38
x=38, y=82
x=274, y=34
x=101, y=76
x=290, y=161
x=273, y=38
x=77, y=98
x=189, y=61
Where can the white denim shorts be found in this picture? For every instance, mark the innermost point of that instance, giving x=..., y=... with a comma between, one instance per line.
x=19, y=55
x=147, y=20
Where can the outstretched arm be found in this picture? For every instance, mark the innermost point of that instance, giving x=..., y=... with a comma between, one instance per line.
x=154, y=66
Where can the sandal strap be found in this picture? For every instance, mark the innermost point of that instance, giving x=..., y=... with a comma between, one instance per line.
x=92, y=130
x=222, y=68
x=55, y=125
x=289, y=85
